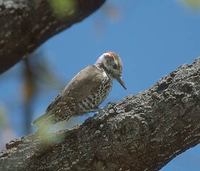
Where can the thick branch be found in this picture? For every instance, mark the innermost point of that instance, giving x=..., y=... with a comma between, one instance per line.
x=141, y=132
x=27, y=24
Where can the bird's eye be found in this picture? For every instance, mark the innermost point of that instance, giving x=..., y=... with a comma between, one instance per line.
x=115, y=66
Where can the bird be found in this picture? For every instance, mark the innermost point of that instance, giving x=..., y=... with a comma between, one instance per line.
x=86, y=91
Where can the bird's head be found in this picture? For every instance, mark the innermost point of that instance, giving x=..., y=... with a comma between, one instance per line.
x=112, y=65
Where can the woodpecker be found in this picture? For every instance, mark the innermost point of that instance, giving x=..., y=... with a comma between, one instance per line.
x=86, y=91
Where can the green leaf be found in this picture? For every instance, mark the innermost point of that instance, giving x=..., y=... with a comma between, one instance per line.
x=63, y=8
x=195, y=4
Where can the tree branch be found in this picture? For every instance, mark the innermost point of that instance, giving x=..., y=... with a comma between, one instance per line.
x=142, y=132
x=25, y=25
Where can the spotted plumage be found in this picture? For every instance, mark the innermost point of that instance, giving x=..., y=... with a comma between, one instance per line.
x=85, y=91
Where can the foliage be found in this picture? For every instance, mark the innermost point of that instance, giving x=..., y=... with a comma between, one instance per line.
x=195, y=4
x=63, y=8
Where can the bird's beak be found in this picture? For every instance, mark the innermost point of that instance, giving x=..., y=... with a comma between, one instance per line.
x=119, y=79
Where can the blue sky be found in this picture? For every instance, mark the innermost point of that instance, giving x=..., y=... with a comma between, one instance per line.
x=153, y=38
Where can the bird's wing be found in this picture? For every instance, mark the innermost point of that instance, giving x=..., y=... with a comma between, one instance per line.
x=84, y=83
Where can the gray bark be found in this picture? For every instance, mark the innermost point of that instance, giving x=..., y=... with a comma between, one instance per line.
x=26, y=24
x=141, y=132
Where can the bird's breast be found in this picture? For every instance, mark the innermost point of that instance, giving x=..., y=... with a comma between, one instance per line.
x=103, y=90
x=93, y=100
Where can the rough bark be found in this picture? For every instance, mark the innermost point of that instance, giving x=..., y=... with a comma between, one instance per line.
x=26, y=24
x=141, y=132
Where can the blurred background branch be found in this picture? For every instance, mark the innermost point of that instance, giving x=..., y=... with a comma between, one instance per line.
x=36, y=22
x=36, y=74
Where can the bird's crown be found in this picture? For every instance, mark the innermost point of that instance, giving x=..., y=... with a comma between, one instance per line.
x=112, y=65
x=111, y=62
